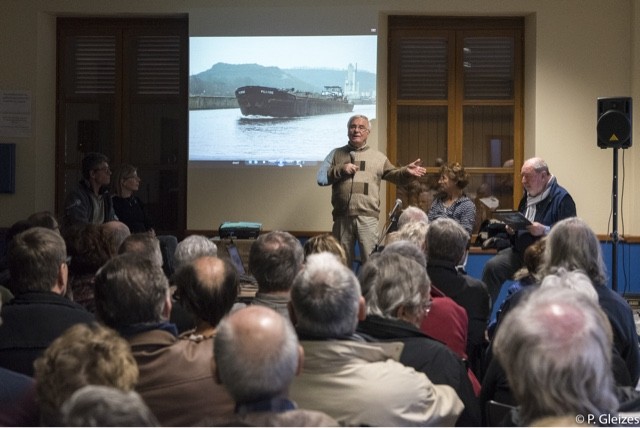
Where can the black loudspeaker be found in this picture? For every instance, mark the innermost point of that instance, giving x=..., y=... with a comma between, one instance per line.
x=614, y=123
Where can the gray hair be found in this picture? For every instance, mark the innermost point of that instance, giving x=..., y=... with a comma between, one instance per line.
x=555, y=347
x=446, y=240
x=104, y=406
x=538, y=164
x=574, y=280
x=407, y=249
x=396, y=281
x=359, y=116
x=192, y=247
x=415, y=232
x=326, y=296
x=572, y=245
x=256, y=366
x=412, y=214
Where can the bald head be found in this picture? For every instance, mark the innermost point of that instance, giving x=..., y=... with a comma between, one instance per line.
x=256, y=353
x=207, y=287
x=557, y=340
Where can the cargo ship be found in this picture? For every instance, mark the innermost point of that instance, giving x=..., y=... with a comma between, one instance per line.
x=266, y=101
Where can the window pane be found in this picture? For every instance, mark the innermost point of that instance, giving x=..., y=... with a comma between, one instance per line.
x=88, y=128
x=155, y=134
x=488, y=67
x=482, y=186
x=422, y=68
x=487, y=135
x=422, y=133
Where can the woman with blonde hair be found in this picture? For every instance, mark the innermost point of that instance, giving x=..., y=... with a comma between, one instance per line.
x=325, y=242
x=131, y=211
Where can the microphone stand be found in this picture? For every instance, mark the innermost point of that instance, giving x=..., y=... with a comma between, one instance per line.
x=393, y=219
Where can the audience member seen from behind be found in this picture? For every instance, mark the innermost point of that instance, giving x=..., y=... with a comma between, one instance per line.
x=192, y=247
x=144, y=244
x=207, y=288
x=257, y=356
x=274, y=260
x=105, y=406
x=89, y=248
x=452, y=202
x=39, y=312
x=544, y=203
x=83, y=355
x=325, y=242
x=446, y=247
x=189, y=249
x=90, y=202
x=556, y=349
x=527, y=276
x=398, y=301
x=572, y=245
x=131, y=211
x=44, y=219
x=176, y=382
x=356, y=383
x=355, y=172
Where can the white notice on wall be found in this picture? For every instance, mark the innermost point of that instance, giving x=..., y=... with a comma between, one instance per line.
x=15, y=113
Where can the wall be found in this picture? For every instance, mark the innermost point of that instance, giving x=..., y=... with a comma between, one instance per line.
x=576, y=51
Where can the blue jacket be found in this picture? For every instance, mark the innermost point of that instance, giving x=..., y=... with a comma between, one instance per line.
x=555, y=207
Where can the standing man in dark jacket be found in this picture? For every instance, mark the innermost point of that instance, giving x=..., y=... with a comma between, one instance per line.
x=91, y=202
x=544, y=203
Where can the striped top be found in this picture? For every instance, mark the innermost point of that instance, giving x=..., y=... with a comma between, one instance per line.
x=462, y=210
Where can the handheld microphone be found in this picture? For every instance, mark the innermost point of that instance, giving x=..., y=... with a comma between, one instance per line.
x=398, y=204
x=353, y=156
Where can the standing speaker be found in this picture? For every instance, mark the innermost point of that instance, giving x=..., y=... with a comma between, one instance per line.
x=614, y=123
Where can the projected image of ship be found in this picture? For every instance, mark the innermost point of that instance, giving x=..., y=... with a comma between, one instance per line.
x=266, y=101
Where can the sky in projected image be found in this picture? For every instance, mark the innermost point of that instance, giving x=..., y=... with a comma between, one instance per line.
x=218, y=129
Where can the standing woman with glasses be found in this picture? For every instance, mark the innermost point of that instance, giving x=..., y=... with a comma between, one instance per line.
x=131, y=211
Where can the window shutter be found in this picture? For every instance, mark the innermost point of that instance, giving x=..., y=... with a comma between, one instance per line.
x=488, y=67
x=422, y=70
x=94, y=65
x=157, y=65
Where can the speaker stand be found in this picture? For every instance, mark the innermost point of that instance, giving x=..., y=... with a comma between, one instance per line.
x=614, y=233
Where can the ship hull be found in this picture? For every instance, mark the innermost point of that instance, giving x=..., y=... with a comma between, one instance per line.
x=265, y=101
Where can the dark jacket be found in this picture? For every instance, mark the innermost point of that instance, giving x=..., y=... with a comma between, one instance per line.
x=427, y=355
x=131, y=212
x=472, y=295
x=555, y=207
x=30, y=322
x=78, y=208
